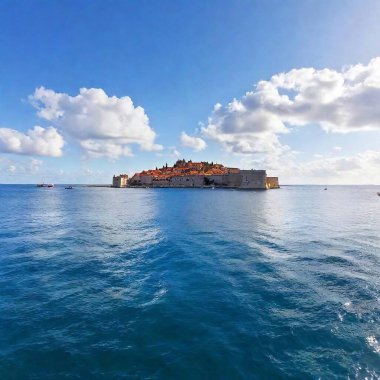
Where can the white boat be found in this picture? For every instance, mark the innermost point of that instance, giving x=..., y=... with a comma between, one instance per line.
x=45, y=185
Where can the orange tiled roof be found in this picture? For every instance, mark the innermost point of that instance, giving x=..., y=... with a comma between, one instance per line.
x=183, y=168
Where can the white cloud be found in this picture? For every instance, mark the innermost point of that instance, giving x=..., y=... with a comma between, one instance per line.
x=35, y=165
x=195, y=143
x=24, y=169
x=170, y=151
x=15, y=168
x=36, y=141
x=103, y=125
x=362, y=168
x=97, y=149
x=175, y=153
x=337, y=148
x=12, y=169
x=339, y=101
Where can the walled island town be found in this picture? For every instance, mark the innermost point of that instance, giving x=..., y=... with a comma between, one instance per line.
x=198, y=175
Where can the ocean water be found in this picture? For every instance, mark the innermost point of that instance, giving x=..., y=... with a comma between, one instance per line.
x=101, y=283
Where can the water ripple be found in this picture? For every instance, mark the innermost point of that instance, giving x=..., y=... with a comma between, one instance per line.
x=190, y=284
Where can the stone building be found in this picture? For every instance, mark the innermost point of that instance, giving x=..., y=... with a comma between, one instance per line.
x=253, y=179
x=120, y=180
x=272, y=183
x=203, y=174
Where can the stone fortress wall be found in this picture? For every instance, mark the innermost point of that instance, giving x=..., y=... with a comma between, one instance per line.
x=272, y=183
x=253, y=179
x=246, y=179
x=199, y=175
x=120, y=180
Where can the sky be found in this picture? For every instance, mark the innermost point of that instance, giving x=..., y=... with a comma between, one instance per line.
x=89, y=89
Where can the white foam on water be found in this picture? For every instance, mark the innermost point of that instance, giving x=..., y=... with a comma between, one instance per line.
x=373, y=343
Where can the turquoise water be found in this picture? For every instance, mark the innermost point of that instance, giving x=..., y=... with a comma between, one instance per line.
x=100, y=283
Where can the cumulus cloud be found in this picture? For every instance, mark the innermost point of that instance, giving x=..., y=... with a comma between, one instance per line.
x=175, y=153
x=103, y=125
x=362, y=168
x=339, y=101
x=109, y=149
x=195, y=143
x=24, y=169
x=14, y=168
x=36, y=141
x=170, y=151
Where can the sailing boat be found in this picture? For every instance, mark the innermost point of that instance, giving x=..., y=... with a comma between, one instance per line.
x=45, y=185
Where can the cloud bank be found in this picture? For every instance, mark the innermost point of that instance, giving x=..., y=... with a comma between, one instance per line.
x=36, y=141
x=362, y=168
x=338, y=101
x=105, y=126
x=195, y=143
x=10, y=167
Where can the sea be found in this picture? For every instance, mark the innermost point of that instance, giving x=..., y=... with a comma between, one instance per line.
x=102, y=283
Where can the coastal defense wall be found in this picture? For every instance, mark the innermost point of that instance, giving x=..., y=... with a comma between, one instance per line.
x=216, y=180
x=253, y=179
x=245, y=179
x=188, y=181
x=180, y=181
x=225, y=180
x=119, y=180
x=272, y=183
x=232, y=180
x=162, y=182
x=146, y=180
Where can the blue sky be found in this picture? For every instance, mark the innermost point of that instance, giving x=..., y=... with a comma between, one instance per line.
x=176, y=60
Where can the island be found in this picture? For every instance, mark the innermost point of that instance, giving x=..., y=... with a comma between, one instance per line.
x=188, y=174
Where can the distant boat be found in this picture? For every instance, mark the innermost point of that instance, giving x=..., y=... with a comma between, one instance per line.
x=378, y=193
x=325, y=188
x=45, y=185
x=68, y=187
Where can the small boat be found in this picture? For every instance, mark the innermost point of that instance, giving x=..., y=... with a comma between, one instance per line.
x=378, y=193
x=325, y=188
x=45, y=185
x=68, y=187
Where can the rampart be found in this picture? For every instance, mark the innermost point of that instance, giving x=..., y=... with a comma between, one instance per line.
x=185, y=174
x=120, y=180
x=272, y=183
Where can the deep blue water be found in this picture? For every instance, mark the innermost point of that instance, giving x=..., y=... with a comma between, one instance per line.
x=100, y=283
